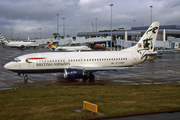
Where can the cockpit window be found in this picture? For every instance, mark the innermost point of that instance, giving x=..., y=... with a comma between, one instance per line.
x=16, y=60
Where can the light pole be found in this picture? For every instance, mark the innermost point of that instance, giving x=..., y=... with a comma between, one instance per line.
x=151, y=14
x=96, y=24
x=134, y=22
x=40, y=32
x=111, y=24
x=12, y=33
x=34, y=34
x=57, y=23
x=63, y=27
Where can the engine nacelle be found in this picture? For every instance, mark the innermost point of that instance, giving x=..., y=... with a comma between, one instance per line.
x=73, y=73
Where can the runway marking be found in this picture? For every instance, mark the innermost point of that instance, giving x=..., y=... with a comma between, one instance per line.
x=173, y=72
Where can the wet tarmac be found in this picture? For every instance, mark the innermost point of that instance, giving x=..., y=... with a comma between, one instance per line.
x=163, y=70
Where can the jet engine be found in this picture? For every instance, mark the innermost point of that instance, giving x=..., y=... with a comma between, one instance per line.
x=73, y=73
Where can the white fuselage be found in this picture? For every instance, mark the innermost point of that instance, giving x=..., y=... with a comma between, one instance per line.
x=57, y=62
x=19, y=44
x=73, y=48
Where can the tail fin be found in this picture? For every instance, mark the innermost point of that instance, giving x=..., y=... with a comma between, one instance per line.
x=148, y=40
x=52, y=47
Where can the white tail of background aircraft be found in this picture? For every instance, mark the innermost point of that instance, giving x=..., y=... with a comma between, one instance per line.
x=82, y=64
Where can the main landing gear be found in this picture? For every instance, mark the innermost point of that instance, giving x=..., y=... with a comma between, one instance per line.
x=89, y=77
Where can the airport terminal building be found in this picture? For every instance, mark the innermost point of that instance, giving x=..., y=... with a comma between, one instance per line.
x=168, y=36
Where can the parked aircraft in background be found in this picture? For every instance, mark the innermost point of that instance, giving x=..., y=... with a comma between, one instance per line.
x=68, y=48
x=2, y=38
x=82, y=64
x=19, y=45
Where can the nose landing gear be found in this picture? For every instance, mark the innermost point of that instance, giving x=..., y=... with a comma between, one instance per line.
x=25, y=77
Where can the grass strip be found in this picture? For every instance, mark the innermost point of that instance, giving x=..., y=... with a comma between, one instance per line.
x=59, y=102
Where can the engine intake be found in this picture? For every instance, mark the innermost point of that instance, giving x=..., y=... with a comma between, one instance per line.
x=73, y=73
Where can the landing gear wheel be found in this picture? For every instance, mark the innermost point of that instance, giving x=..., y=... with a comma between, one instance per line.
x=91, y=78
x=25, y=77
x=85, y=78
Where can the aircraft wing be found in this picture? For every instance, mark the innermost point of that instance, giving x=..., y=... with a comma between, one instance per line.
x=93, y=69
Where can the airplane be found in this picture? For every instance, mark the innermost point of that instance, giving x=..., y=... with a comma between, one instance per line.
x=68, y=48
x=19, y=45
x=2, y=38
x=82, y=64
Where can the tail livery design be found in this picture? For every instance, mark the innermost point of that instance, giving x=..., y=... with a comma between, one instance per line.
x=146, y=44
x=52, y=47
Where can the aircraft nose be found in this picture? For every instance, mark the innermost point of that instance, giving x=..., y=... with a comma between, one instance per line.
x=8, y=66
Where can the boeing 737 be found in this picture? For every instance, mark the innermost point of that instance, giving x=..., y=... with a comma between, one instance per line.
x=19, y=45
x=82, y=64
x=68, y=48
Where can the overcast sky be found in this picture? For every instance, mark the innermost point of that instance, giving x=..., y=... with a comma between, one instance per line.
x=23, y=17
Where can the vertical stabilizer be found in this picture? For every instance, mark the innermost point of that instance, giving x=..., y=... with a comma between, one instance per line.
x=148, y=40
x=52, y=47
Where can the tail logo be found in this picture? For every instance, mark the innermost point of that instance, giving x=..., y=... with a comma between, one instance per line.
x=147, y=43
x=153, y=30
